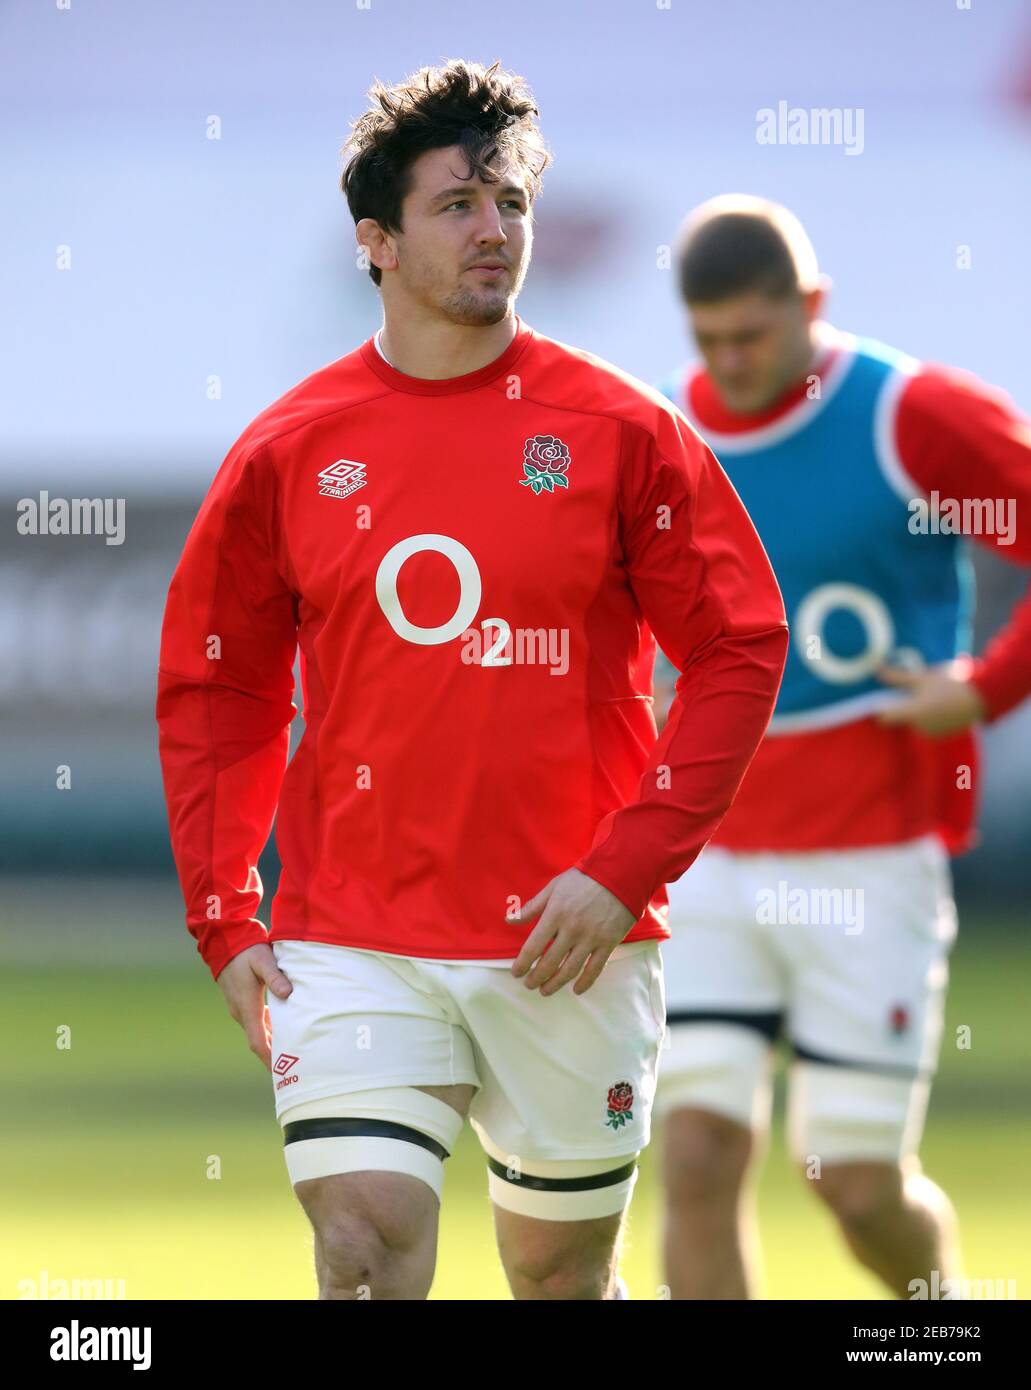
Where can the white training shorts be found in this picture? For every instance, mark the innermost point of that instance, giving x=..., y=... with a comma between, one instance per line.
x=565, y=1083
x=844, y=954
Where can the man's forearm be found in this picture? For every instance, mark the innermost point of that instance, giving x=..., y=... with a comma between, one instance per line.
x=223, y=755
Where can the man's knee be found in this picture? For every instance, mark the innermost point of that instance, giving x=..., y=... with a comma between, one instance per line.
x=566, y=1280
x=861, y=1195
x=353, y=1257
x=374, y=1232
x=705, y=1155
x=575, y=1262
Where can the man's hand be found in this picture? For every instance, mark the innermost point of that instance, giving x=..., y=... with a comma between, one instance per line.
x=939, y=700
x=243, y=982
x=584, y=923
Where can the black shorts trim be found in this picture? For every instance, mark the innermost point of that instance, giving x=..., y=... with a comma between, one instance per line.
x=768, y=1024
x=823, y=1059
x=331, y=1127
x=585, y=1184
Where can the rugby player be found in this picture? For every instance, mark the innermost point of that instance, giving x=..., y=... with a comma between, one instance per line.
x=475, y=535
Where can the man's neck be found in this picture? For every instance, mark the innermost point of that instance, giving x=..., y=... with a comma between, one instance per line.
x=713, y=414
x=436, y=349
x=812, y=359
x=821, y=345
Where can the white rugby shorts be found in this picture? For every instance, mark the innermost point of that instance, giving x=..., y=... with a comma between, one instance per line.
x=843, y=954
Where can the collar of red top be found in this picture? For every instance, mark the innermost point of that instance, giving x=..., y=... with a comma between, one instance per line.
x=708, y=408
x=451, y=385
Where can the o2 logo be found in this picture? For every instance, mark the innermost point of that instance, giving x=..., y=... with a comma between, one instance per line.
x=873, y=616
x=469, y=594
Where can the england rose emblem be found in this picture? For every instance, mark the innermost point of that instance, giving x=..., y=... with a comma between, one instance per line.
x=899, y=1019
x=620, y=1104
x=545, y=461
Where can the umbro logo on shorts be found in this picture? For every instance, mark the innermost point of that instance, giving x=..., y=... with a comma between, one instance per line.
x=282, y=1065
x=342, y=478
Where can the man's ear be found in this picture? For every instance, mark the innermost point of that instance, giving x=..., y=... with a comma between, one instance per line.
x=816, y=298
x=378, y=246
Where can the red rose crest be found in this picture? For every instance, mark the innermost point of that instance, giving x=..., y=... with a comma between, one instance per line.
x=898, y=1020
x=545, y=462
x=620, y=1104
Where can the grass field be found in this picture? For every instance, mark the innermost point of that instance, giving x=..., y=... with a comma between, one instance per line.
x=109, y=1144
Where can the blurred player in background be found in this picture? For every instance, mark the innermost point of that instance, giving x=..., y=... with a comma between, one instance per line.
x=472, y=532
x=822, y=909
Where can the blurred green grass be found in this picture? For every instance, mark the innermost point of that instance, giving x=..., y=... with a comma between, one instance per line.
x=108, y=1147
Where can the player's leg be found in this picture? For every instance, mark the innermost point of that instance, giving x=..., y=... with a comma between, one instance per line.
x=724, y=993
x=867, y=1032
x=564, y=1260
x=375, y=1234
x=709, y=1162
x=896, y=1221
x=373, y=1077
x=558, y=1222
x=375, y=1228
x=564, y=1110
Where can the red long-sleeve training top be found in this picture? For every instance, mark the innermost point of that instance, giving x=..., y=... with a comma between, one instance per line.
x=474, y=569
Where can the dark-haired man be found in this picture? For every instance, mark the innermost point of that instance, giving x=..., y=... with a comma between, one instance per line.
x=472, y=532
x=822, y=908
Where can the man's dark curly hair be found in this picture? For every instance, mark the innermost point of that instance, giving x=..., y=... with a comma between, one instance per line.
x=488, y=112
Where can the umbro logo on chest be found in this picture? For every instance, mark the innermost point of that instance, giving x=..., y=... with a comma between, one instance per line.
x=342, y=478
